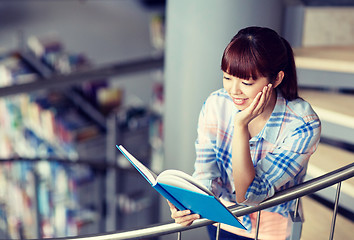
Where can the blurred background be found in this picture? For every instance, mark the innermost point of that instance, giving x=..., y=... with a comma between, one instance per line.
x=78, y=77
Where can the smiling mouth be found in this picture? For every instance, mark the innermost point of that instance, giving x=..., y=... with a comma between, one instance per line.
x=239, y=101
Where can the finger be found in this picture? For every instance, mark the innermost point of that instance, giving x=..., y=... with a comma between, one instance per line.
x=261, y=103
x=186, y=223
x=172, y=207
x=264, y=95
x=187, y=220
x=180, y=214
x=255, y=102
x=269, y=92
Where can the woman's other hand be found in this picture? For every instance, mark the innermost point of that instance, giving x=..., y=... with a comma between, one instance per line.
x=184, y=218
x=256, y=108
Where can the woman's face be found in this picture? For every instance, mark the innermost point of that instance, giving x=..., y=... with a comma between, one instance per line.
x=243, y=91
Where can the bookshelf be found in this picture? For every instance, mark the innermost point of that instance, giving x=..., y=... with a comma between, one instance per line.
x=138, y=204
x=44, y=125
x=52, y=162
x=41, y=198
x=119, y=52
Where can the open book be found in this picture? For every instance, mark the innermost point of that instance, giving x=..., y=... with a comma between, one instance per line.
x=185, y=192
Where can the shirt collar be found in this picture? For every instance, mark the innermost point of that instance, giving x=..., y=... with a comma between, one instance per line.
x=271, y=130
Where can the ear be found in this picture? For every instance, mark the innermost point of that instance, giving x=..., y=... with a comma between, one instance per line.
x=279, y=79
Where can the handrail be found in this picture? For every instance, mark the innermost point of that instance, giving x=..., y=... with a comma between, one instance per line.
x=292, y=193
x=99, y=72
x=96, y=163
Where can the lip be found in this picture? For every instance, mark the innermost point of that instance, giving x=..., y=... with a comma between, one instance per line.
x=239, y=101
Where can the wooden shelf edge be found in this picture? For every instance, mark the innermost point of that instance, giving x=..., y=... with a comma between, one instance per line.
x=334, y=117
x=326, y=58
x=324, y=64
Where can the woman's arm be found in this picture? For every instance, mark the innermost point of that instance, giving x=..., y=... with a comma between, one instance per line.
x=286, y=163
x=243, y=169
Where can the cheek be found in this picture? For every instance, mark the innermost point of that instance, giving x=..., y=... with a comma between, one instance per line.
x=252, y=92
x=227, y=85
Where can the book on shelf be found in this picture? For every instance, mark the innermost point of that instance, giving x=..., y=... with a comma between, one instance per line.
x=185, y=192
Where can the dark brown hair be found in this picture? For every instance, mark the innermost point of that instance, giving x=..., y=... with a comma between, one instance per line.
x=260, y=52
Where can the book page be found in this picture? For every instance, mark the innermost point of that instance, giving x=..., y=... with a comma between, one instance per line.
x=185, y=179
x=148, y=175
x=179, y=182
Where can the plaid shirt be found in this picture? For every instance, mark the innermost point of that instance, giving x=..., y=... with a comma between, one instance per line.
x=280, y=152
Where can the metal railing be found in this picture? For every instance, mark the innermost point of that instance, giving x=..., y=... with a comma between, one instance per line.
x=296, y=192
x=57, y=81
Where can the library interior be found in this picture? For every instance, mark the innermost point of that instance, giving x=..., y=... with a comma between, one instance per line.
x=78, y=77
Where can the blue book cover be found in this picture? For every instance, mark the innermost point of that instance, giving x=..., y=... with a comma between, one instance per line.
x=185, y=192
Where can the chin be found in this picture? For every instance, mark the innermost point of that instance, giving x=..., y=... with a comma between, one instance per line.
x=240, y=107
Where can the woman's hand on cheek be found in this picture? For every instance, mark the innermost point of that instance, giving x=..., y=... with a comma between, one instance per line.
x=184, y=218
x=256, y=108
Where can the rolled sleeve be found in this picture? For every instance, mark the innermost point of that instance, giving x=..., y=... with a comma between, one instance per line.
x=205, y=167
x=286, y=165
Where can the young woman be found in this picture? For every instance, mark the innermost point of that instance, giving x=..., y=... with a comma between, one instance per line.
x=255, y=135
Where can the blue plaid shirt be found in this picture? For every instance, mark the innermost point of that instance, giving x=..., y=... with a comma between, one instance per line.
x=280, y=152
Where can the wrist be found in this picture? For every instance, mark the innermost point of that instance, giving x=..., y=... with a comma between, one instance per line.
x=240, y=125
x=241, y=131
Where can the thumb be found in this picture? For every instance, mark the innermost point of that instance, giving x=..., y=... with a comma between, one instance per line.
x=172, y=207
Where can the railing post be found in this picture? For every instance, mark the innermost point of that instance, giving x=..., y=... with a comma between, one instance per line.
x=257, y=224
x=179, y=235
x=218, y=232
x=335, y=211
x=295, y=223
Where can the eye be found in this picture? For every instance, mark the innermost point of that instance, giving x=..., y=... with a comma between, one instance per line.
x=247, y=84
x=226, y=78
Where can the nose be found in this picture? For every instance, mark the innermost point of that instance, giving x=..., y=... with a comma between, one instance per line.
x=235, y=88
